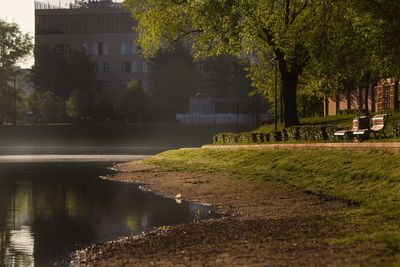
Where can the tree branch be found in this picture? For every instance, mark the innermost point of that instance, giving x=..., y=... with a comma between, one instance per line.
x=287, y=12
x=296, y=13
x=179, y=2
x=184, y=35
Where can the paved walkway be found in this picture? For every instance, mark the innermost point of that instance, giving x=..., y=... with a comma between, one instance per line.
x=69, y=158
x=389, y=146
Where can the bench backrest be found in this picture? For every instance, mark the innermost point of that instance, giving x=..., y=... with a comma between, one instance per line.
x=360, y=123
x=379, y=122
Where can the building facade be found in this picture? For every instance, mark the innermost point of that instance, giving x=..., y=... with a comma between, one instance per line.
x=383, y=96
x=101, y=28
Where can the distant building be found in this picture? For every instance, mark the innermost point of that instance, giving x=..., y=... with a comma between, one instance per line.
x=103, y=29
x=382, y=97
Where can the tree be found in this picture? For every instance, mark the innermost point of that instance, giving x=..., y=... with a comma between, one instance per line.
x=78, y=105
x=102, y=106
x=174, y=79
x=14, y=45
x=134, y=102
x=283, y=32
x=34, y=103
x=61, y=73
x=52, y=107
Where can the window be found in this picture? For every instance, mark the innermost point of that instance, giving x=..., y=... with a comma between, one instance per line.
x=85, y=47
x=96, y=68
x=105, y=86
x=126, y=67
x=144, y=67
x=105, y=49
x=133, y=48
x=134, y=67
x=123, y=48
x=123, y=86
x=106, y=67
x=95, y=49
x=128, y=48
x=100, y=49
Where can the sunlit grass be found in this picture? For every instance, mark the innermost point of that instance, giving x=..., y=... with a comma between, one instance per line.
x=369, y=181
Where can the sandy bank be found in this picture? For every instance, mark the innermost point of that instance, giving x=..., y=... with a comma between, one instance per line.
x=265, y=225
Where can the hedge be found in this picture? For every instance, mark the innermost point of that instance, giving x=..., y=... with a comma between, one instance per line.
x=294, y=133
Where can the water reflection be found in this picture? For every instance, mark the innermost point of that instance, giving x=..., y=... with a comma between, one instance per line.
x=49, y=210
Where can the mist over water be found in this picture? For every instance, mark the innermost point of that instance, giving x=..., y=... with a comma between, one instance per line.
x=105, y=138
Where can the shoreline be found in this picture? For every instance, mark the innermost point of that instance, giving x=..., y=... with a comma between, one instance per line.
x=264, y=224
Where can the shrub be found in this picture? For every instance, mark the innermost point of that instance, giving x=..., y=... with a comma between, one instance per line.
x=330, y=130
x=276, y=136
x=230, y=138
x=293, y=133
x=284, y=135
x=396, y=129
x=313, y=133
x=262, y=137
x=245, y=138
x=225, y=138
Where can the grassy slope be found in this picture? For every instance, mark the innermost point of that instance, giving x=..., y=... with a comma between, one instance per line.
x=368, y=180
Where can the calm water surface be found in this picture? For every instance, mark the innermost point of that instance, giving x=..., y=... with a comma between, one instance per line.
x=49, y=210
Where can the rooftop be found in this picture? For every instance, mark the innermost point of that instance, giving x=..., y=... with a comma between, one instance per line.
x=78, y=4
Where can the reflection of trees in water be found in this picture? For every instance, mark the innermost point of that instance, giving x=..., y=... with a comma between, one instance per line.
x=16, y=247
x=54, y=208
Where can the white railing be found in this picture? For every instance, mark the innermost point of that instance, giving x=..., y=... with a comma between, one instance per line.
x=219, y=118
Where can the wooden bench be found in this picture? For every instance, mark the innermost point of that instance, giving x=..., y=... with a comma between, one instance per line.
x=359, y=130
x=379, y=124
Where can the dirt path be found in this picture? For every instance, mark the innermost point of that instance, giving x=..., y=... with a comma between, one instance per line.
x=265, y=225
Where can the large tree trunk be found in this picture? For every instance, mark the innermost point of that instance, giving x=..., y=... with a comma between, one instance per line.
x=289, y=88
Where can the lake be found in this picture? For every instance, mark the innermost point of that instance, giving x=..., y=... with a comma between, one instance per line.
x=48, y=210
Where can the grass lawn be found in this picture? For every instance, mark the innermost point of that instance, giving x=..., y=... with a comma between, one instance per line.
x=369, y=182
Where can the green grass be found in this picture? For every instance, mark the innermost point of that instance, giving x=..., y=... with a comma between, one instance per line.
x=368, y=181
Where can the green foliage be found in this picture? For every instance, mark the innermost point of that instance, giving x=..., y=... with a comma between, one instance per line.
x=34, y=103
x=54, y=71
x=313, y=133
x=318, y=46
x=134, y=102
x=276, y=136
x=52, y=107
x=245, y=138
x=78, y=105
x=102, y=106
x=14, y=45
x=174, y=79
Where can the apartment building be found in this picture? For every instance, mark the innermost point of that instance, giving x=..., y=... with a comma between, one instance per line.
x=103, y=29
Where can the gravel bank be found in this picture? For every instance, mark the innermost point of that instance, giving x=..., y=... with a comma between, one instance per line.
x=264, y=225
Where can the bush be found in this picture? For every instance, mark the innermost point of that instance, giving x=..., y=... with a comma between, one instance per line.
x=246, y=138
x=262, y=137
x=330, y=130
x=396, y=129
x=225, y=138
x=230, y=138
x=276, y=136
x=293, y=133
x=313, y=133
